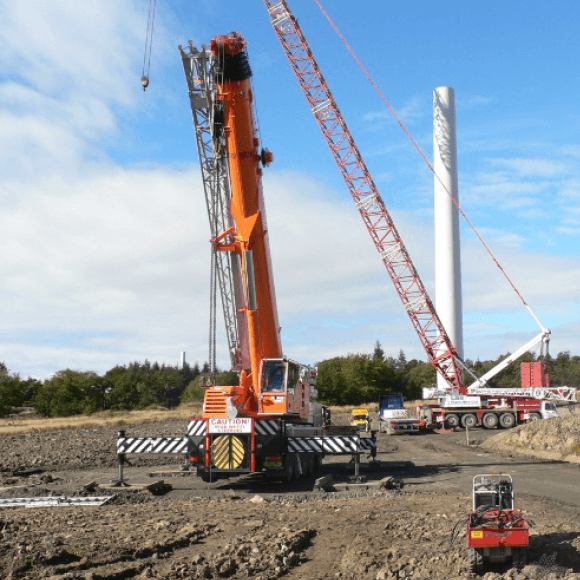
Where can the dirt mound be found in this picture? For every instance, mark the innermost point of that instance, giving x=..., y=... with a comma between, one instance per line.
x=83, y=448
x=549, y=439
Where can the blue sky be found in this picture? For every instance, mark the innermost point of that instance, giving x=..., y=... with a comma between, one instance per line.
x=103, y=229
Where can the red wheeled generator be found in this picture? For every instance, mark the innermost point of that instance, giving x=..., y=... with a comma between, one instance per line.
x=496, y=531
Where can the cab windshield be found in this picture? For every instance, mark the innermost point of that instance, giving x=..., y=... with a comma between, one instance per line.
x=273, y=376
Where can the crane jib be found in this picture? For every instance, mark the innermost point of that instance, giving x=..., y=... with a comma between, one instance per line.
x=372, y=209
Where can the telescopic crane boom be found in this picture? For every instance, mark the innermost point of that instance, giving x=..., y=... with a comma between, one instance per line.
x=221, y=95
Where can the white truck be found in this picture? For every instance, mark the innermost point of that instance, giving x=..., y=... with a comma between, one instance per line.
x=393, y=416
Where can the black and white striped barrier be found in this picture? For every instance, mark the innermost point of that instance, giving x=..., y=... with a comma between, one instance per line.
x=335, y=445
x=147, y=445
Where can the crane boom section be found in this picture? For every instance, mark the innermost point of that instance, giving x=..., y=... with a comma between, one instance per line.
x=247, y=202
x=373, y=211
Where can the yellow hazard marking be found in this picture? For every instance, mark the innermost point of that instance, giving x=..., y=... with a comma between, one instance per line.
x=476, y=534
x=228, y=452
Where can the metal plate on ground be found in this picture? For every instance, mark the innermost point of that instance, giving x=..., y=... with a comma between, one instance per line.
x=53, y=501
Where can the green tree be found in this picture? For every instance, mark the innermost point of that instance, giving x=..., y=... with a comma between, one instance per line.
x=69, y=392
x=378, y=353
x=9, y=390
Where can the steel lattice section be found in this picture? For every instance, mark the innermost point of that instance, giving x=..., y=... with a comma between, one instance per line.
x=198, y=67
x=377, y=219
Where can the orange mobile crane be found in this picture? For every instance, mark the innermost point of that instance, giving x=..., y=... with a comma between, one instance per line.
x=269, y=421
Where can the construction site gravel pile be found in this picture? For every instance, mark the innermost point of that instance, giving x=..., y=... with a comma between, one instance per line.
x=553, y=439
x=256, y=530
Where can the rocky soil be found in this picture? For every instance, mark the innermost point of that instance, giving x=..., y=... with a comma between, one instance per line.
x=250, y=529
x=555, y=439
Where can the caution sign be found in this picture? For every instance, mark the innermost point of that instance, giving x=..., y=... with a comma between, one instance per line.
x=239, y=425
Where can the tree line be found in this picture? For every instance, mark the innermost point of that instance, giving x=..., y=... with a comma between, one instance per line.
x=353, y=379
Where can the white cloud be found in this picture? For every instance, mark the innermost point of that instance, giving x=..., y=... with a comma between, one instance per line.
x=104, y=263
x=71, y=47
x=533, y=167
x=466, y=102
x=410, y=113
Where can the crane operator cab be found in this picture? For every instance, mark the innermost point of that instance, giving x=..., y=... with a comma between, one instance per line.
x=285, y=388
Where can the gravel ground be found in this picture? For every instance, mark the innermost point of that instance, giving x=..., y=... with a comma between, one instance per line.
x=249, y=530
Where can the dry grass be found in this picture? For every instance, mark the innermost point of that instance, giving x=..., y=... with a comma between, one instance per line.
x=33, y=423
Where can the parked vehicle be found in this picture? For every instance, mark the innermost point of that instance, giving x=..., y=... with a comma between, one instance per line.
x=393, y=416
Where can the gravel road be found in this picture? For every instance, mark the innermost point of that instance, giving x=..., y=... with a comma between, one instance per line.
x=249, y=528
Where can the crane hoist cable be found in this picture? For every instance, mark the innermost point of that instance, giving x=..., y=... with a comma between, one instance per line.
x=148, y=44
x=422, y=154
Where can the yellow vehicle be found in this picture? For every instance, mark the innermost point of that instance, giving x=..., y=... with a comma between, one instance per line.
x=361, y=418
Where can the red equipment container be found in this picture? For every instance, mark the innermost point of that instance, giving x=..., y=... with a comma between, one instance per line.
x=496, y=532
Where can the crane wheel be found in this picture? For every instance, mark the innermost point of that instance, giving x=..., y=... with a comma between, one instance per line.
x=452, y=420
x=519, y=557
x=469, y=420
x=507, y=420
x=534, y=417
x=490, y=420
x=291, y=468
x=475, y=558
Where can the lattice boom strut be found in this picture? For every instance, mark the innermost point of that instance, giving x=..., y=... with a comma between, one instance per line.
x=377, y=219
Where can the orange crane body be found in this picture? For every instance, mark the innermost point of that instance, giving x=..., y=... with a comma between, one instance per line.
x=255, y=395
x=270, y=421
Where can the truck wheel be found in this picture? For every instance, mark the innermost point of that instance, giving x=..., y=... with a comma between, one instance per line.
x=209, y=477
x=452, y=420
x=317, y=463
x=290, y=473
x=469, y=420
x=507, y=420
x=490, y=420
x=519, y=557
x=534, y=417
x=475, y=558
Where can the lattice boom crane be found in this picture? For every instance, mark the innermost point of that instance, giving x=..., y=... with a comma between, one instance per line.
x=375, y=215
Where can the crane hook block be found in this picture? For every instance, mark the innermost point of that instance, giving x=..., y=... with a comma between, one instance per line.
x=266, y=157
x=145, y=82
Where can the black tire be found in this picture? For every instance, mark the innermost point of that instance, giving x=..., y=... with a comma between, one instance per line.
x=519, y=557
x=309, y=465
x=290, y=473
x=507, y=420
x=469, y=420
x=208, y=477
x=317, y=463
x=534, y=417
x=452, y=420
x=475, y=558
x=490, y=421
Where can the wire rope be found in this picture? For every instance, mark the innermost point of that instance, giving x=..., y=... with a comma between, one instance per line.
x=148, y=44
x=422, y=154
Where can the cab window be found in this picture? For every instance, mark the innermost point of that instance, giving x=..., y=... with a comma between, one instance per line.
x=273, y=376
x=293, y=377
